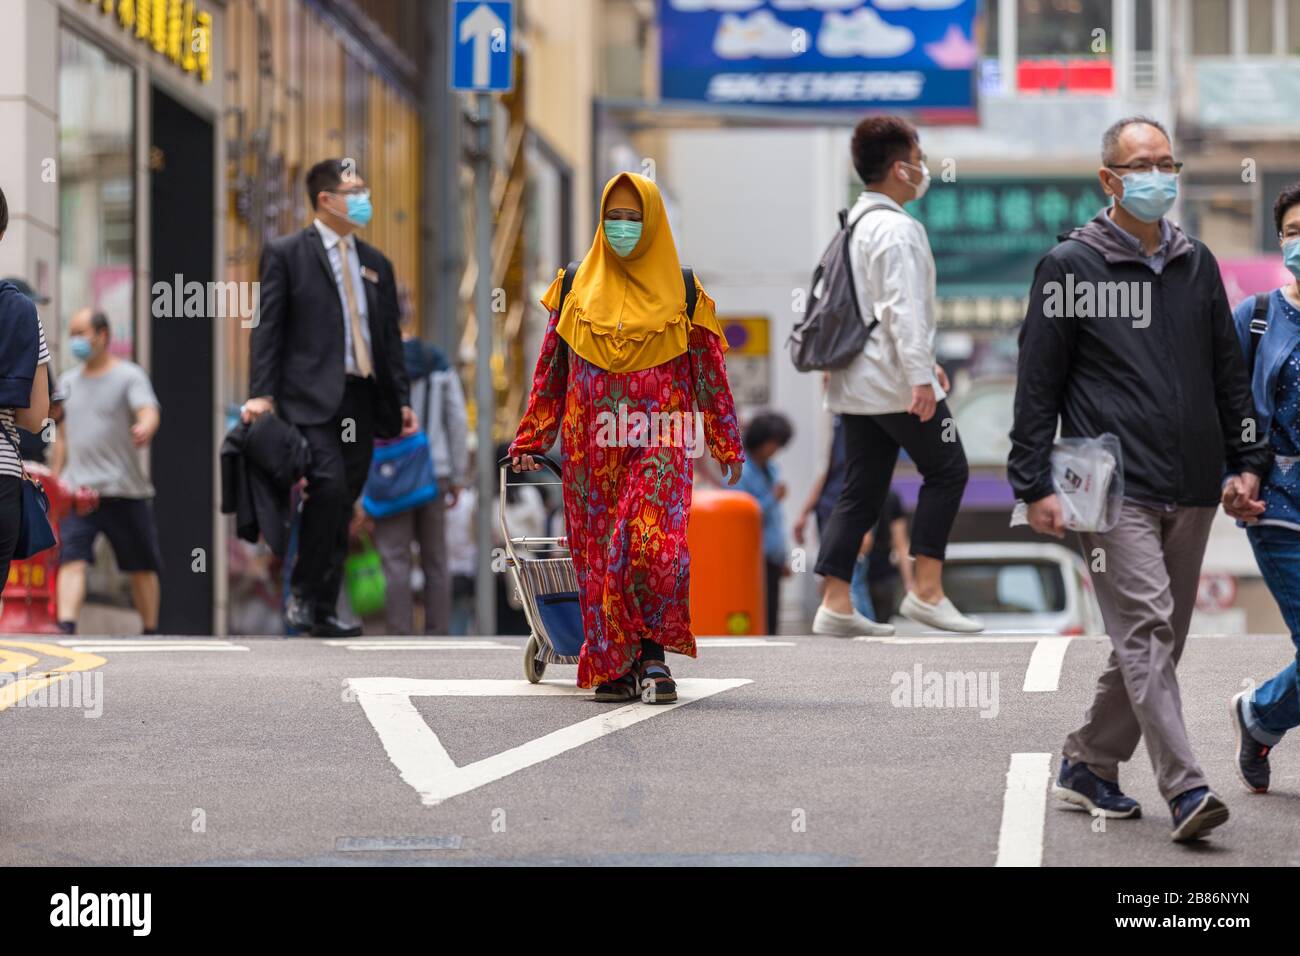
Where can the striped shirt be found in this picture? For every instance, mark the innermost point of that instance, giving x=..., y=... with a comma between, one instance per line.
x=10, y=463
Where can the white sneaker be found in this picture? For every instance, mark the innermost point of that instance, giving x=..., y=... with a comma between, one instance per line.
x=833, y=624
x=943, y=616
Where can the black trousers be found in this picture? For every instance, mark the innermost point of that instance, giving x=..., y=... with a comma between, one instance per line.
x=871, y=451
x=11, y=514
x=340, y=462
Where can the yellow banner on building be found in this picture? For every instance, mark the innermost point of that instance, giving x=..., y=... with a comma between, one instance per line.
x=177, y=29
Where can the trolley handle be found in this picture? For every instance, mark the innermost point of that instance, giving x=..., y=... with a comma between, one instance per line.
x=543, y=459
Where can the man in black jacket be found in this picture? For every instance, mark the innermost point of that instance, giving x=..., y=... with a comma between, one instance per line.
x=1128, y=331
x=326, y=355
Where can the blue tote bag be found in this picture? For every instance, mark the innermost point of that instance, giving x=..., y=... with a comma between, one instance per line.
x=34, y=532
x=401, y=471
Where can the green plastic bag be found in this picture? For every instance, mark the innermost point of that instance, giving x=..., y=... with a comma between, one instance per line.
x=363, y=575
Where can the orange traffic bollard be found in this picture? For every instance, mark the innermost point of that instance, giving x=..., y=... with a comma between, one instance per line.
x=30, y=592
x=725, y=536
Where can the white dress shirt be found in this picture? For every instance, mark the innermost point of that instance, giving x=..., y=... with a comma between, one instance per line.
x=894, y=274
x=332, y=240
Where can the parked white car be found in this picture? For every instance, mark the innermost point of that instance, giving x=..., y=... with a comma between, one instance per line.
x=1018, y=588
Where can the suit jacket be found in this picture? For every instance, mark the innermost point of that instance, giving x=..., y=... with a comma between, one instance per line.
x=296, y=351
x=260, y=464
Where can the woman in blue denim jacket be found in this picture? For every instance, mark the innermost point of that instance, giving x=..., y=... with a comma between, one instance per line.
x=1263, y=715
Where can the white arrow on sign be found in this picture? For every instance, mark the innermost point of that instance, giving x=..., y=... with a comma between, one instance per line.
x=423, y=761
x=479, y=27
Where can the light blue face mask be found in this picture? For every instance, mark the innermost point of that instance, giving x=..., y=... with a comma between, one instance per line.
x=623, y=234
x=80, y=347
x=1148, y=196
x=359, y=208
x=1291, y=256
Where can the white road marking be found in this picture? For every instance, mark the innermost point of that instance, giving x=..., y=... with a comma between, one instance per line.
x=424, y=763
x=1044, y=671
x=703, y=642
x=476, y=646
x=1024, y=805
x=142, y=641
x=925, y=639
x=149, y=647
x=462, y=644
x=373, y=844
x=418, y=644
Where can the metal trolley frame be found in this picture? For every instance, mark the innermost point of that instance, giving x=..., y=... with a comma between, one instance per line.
x=540, y=566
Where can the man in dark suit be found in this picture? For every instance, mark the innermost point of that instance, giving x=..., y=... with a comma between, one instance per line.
x=326, y=355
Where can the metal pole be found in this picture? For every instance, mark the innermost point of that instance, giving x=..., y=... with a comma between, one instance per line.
x=485, y=399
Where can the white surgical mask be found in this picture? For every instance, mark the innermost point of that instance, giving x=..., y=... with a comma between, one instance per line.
x=924, y=184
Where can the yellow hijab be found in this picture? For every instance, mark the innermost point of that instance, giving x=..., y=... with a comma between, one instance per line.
x=627, y=313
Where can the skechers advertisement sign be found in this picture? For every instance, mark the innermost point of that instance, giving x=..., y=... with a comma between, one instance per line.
x=890, y=55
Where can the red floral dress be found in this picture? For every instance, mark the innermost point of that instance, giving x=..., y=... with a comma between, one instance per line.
x=627, y=496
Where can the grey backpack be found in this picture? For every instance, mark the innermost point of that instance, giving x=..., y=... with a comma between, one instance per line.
x=832, y=333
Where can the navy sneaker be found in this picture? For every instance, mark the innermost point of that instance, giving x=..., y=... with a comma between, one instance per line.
x=1252, y=756
x=1078, y=785
x=1196, y=813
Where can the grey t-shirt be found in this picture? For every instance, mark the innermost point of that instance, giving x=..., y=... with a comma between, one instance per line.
x=98, y=413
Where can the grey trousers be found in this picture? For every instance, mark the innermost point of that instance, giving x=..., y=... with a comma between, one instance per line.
x=394, y=536
x=1146, y=592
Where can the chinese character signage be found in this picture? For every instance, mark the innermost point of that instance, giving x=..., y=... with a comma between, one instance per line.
x=889, y=55
x=177, y=29
x=988, y=234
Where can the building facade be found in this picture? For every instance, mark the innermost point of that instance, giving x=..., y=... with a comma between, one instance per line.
x=156, y=144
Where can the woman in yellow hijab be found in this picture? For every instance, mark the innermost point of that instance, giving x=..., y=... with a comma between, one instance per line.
x=631, y=376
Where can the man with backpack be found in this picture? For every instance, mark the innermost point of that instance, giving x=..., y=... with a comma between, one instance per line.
x=891, y=392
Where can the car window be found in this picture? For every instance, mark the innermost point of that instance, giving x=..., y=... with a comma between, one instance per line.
x=1005, y=587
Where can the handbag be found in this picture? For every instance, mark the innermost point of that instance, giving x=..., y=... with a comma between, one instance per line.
x=401, y=471
x=363, y=575
x=34, y=531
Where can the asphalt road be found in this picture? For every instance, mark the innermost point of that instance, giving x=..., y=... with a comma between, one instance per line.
x=787, y=751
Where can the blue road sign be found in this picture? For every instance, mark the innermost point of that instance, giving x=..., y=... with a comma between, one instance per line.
x=482, y=45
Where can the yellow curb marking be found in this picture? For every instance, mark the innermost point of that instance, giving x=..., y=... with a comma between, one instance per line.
x=13, y=661
x=10, y=694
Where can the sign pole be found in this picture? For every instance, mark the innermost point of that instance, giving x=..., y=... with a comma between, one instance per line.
x=482, y=63
x=485, y=398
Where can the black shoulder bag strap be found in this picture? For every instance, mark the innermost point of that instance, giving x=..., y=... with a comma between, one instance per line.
x=688, y=279
x=1258, y=326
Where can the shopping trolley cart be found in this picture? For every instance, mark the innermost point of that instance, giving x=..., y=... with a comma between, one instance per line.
x=546, y=586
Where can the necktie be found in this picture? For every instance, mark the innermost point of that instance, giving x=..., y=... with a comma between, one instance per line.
x=359, y=350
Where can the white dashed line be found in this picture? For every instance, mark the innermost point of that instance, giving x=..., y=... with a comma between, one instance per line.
x=1044, y=671
x=149, y=647
x=1020, y=841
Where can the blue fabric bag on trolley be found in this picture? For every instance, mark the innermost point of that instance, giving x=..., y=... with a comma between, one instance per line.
x=562, y=617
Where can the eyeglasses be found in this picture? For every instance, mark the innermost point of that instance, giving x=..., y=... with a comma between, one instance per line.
x=1165, y=167
x=363, y=191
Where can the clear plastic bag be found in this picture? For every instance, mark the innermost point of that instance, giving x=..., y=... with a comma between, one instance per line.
x=1088, y=478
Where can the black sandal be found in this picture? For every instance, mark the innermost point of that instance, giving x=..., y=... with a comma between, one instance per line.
x=619, y=690
x=656, y=682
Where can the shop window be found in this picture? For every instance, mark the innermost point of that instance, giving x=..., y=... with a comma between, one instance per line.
x=97, y=234
x=1211, y=27
x=1259, y=27
x=1057, y=27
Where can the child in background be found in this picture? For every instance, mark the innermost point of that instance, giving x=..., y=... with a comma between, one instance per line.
x=766, y=435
